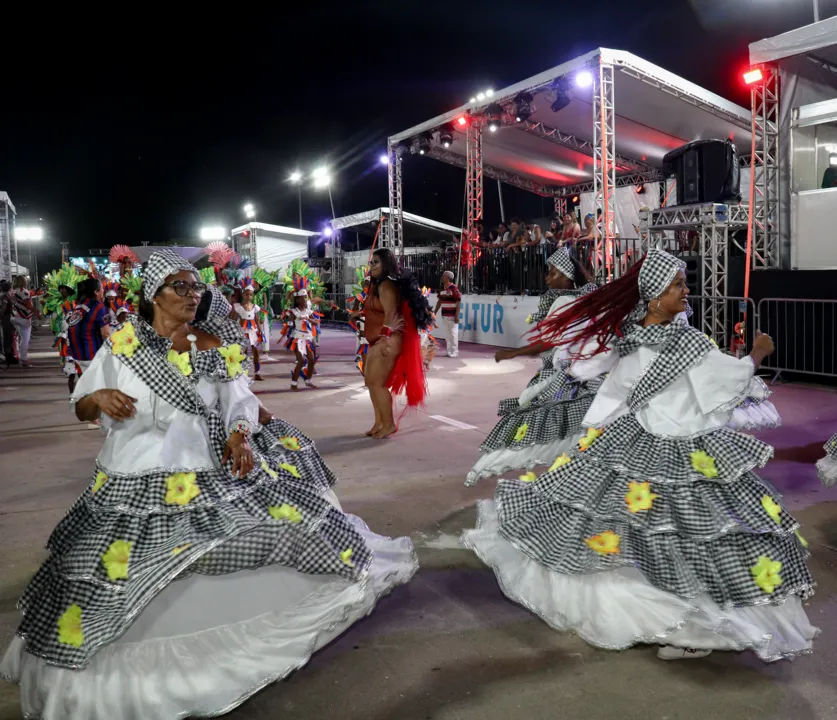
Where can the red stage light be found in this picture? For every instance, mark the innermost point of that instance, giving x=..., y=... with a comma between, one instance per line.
x=246, y=233
x=575, y=198
x=461, y=121
x=753, y=76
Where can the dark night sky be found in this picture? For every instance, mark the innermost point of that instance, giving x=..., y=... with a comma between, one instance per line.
x=142, y=127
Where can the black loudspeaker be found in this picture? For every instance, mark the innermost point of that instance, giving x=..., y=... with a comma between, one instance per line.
x=705, y=171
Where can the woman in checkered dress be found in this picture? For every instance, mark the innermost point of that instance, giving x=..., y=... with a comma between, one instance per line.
x=542, y=423
x=827, y=466
x=189, y=487
x=654, y=527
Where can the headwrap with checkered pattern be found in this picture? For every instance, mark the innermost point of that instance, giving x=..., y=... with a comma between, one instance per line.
x=160, y=265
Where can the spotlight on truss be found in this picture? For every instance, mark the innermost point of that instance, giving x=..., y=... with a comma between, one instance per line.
x=562, y=95
x=523, y=107
x=494, y=117
x=584, y=79
x=446, y=136
x=384, y=160
x=423, y=143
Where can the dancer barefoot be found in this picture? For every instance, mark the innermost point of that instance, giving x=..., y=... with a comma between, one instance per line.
x=395, y=311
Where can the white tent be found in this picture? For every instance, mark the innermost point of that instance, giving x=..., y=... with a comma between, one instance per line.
x=272, y=247
x=18, y=269
x=807, y=64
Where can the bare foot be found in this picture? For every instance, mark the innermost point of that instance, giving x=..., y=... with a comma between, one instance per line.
x=375, y=428
x=385, y=432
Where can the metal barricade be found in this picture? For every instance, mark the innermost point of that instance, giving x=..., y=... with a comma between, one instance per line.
x=804, y=333
x=730, y=321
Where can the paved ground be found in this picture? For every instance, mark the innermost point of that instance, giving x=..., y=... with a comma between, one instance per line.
x=448, y=646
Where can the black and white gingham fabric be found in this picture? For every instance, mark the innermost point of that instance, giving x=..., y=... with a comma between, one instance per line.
x=225, y=527
x=656, y=274
x=161, y=264
x=830, y=447
x=550, y=296
x=561, y=261
x=699, y=534
x=680, y=347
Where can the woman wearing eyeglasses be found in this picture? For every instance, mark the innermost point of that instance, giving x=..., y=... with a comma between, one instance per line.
x=189, y=487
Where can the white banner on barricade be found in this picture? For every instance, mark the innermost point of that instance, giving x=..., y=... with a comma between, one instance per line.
x=492, y=320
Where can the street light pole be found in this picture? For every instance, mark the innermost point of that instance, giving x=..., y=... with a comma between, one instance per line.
x=299, y=196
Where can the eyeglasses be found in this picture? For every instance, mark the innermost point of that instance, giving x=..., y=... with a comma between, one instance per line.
x=374, y=262
x=183, y=288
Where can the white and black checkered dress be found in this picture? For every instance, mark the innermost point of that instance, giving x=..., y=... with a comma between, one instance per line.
x=642, y=536
x=827, y=466
x=231, y=524
x=532, y=434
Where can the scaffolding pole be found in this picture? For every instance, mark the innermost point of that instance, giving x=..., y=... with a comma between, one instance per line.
x=393, y=235
x=764, y=171
x=474, y=186
x=604, y=166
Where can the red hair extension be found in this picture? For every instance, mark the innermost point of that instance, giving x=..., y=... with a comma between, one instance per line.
x=597, y=316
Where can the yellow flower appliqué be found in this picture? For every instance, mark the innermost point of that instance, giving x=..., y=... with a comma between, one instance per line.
x=116, y=559
x=69, y=627
x=766, y=573
x=124, y=341
x=181, y=488
x=346, y=557
x=560, y=461
x=101, y=479
x=529, y=477
x=180, y=361
x=291, y=469
x=607, y=543
x=521, y=432
x=289, y=443
x=233, y=357
x=772, y=508
x=704, y=464
x=639, y=496
x=285, y=512
x=528, y=319
x=589, y=438
x=801, y=539
x=269, y=470
x=180, y=548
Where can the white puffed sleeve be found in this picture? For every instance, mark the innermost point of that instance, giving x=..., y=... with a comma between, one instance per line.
x=99, y=375
x=719, y=382
x=589, y=368
x=238, y=403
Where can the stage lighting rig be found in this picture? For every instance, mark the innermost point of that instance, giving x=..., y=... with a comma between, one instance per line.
x=446, y=136
x=523, y=106
x=561, y=88
x=422, y=144
x=494, y=117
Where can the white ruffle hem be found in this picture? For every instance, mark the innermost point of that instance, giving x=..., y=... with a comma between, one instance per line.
x=207, y=643
x=827, y=470
x=617, y=609
x=504, y=460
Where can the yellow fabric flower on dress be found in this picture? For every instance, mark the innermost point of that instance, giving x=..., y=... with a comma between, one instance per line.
x=801, y=539
x=560, y=461
x=116, y=559
x=233, y=357
x=589, y=438
x=101, y=479
x=772, y=508
x=346, y=557
x=607, y=543
x=180, y=361
x=529, y=477
x=521, y=432
x=704, y=464
x=181, y=488
x=766, y=573
x=528, y=319
x=70, y=631
x=285, y=512
x=639, y=496
x=289, y=443
x=291, y=469
x=269, y=470
x=180, y=548
x=124, y=341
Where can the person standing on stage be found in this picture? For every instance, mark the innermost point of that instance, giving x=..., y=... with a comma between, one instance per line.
x=450, y=300
x=88, y=325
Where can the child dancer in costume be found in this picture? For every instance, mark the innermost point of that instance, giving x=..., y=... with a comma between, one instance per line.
x=654, y=527
x=304, y=323
x=59, y=302
x=268, y=569
x=248, y=312
x=543, y=422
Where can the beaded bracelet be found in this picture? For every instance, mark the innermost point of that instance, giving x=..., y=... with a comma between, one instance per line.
x=241, y=426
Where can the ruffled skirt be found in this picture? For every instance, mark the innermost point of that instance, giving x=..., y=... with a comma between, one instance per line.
x=640, y=538
x=827, y=466
x=539, y=426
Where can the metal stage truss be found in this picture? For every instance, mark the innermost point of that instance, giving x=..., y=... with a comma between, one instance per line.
x=713, y=221
x=604, y=164
x=392, y=231
x=764, y=170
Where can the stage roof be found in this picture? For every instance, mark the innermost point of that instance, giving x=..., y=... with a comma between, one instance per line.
x=818, y=41
x=278, y=229
x=551, y=153
x=415, y=226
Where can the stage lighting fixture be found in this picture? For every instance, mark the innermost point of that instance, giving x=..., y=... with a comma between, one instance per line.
x=494, y=117
x=328, y=232
x=489, y=93
x=640, y=189
x=575, y=198
x=296, y=176
x=584, y=79
x=462, y=121
x=424, y=143
x=473, y=100
x=446, y=137
x=384, y=159
x=753, y=76
x=561, y=89
x=522, y=106
x=481, y=96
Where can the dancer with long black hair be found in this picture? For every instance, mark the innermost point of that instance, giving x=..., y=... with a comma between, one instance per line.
x=654, y=527
x=540, y=425
x=394, y=312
